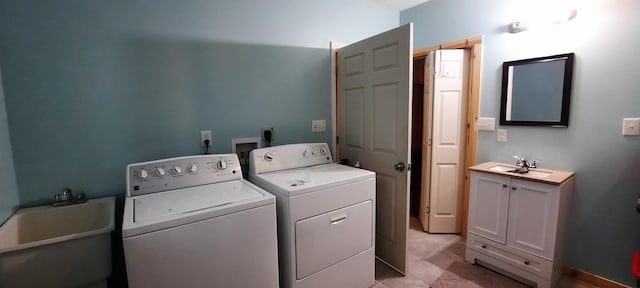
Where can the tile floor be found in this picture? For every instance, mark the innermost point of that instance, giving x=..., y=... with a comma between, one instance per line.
x=433, y=256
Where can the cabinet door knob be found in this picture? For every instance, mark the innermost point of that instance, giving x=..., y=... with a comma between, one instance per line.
x=484, y=246
x=526, y=262
x=513, y=188
x=504, y=185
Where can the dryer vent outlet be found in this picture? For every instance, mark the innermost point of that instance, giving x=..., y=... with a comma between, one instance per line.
x=242, y=148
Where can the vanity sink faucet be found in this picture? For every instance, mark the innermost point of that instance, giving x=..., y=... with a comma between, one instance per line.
x=524, y=163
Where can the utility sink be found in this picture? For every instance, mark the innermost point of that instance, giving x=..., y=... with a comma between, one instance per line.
x=515, y=170
x=67, y=246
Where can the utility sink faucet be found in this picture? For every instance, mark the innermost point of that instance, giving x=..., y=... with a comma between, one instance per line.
x=66, y=197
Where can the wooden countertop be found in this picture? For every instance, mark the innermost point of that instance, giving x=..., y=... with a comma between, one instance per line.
x=557, y=177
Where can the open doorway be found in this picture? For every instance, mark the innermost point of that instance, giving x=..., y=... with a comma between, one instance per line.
x=417, y=103
x=474, y=46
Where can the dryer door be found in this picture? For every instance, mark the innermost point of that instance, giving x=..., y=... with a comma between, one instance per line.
x=326, y=239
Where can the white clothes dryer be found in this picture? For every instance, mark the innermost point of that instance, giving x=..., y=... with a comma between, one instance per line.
x=326, y=216
x=194, y=222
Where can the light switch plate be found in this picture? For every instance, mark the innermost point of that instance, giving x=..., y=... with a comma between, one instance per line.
x=486, y=124
x=631, y=126
x=502, y=135
x=318, y=126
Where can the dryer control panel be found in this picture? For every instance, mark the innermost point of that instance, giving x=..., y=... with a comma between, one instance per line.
x=181, y=172
x=289, y=156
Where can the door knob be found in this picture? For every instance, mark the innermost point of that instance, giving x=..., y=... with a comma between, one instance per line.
x=399, y=166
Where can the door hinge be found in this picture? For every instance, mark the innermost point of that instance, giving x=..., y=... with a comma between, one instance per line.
x=428, y=210
x=408, y=166
x=337, y=140
x=430, y=142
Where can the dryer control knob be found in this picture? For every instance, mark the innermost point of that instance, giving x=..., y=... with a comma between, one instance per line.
x=160, y=172
x=222, y=165
x=143, y=174
x=193, y=168
x=323, y=151
x=268, y=157
x=177, y=170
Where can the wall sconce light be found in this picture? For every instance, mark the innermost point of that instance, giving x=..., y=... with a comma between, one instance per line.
x=535, y=18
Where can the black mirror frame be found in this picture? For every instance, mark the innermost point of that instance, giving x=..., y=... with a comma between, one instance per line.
x=566, y=91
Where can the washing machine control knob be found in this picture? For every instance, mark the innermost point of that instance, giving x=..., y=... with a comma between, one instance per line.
x=177, y=169
x=222, y=165
x=323, y=151
x=160, y=172
x=193, y=168
x=143, y=174
x=268, y=157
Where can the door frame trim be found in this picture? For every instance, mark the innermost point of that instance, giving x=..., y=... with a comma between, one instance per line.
x=474, y=45
x=333, y=51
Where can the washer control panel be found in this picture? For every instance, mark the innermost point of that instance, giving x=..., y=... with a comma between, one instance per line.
x=181, y=172
x=288, y=157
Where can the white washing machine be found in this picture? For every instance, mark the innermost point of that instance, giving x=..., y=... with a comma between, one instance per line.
x=194, y=222
x=326, y=216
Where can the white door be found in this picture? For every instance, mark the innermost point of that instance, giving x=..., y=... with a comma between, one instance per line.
x=374, y=116
x=446, y=124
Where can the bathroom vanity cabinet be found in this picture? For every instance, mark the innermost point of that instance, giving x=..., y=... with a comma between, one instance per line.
x=517, y=222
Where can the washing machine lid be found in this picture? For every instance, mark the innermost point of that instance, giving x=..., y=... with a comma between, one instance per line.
x=297, y=181
x=157, y=211
x=158, y=205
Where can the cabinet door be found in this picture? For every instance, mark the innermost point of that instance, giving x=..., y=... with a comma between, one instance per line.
x=488, y=206
x=533, y=214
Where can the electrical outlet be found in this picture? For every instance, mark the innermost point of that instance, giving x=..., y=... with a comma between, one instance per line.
x=206, y=135
x=502, y=135
x=267, y=132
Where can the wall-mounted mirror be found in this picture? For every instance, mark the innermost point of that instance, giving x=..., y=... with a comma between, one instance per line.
x=537, y=91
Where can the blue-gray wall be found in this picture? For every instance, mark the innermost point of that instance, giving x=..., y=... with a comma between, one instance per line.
x=604, y=228
x=91, y=86
x=8, y=188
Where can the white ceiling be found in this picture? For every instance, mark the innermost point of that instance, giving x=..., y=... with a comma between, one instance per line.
x=399, y=4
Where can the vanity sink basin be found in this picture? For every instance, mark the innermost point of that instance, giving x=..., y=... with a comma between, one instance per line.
x=538, y=174
x=543, y=175
x=501, y=168
x=530, y=173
